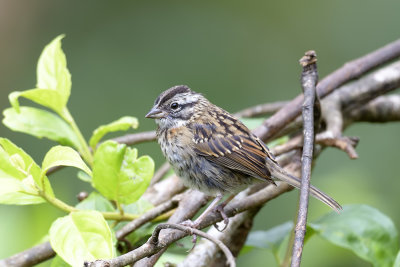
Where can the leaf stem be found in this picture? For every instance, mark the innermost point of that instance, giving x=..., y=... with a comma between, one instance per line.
x=117, y=216
x=56, y=202
x=84, y=147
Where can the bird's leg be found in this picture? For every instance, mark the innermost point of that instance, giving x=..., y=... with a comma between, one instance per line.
x=220, y=209
x=210, y=208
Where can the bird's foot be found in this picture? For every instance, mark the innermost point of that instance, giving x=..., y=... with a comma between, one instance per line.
x=220, y=209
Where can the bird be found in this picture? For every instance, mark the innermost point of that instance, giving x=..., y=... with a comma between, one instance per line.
x=213, y=151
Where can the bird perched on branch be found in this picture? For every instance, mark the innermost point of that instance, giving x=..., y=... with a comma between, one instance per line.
x=213, y=151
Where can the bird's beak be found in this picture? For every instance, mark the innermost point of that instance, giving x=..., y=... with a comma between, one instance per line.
x=155, y=113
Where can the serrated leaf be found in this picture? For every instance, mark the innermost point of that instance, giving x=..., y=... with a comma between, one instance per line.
x=64, y=156
x=52, y=72
x=270, y=239
x=95, y=201
x=364, y=230
x=40, y=123
x=8, y=150
x=82, y=236
x=118, y=174
x=121, y=124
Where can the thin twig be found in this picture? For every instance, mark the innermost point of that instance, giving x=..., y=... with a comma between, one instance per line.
x=261, y=110
x=192, y=231
x=309, y=78
x=208, y=254
x=132, y=139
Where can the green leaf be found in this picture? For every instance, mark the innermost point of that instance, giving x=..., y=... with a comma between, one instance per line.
x=63, y=156
x=53, y=80
x=40, y=123
x=270, y=239
x=366, y=231
x=138, y=207
x=52, y=72
x=118, y=174
x=19, y=165
x=121, y=124
x=16, y=184
x=45, y=97
x=16, y=192
x=95, y=201
x=82, y=236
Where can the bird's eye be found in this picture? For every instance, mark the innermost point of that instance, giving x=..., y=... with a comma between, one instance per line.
x=174, y=106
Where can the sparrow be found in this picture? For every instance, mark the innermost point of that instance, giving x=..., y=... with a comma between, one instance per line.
x=212, y=151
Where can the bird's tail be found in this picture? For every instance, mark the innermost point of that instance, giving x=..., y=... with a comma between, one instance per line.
x=279, y=173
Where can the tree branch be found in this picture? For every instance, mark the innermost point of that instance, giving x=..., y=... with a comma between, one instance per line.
x=349, y=71
x=309, y=79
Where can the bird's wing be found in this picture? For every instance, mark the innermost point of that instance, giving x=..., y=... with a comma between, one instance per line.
x=243, y=152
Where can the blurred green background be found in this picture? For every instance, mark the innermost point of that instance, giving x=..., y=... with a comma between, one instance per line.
x=122, y=54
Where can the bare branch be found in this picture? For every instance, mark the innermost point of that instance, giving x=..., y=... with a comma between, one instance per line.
x=191, y=231
x=131, y=139
x=381, y=109
x=30, y=257
x=309, y=79
x=349, y=71
x=260, y=110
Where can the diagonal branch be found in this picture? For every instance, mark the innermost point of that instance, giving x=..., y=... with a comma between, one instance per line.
x=349, y=71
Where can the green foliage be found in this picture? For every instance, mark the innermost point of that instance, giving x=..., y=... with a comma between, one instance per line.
x=114, y=169
x=63, y=156
x=118, y=174
x=95, y=201
x=360, y=228
x=121, y=124
x=270, y=239
x=53, y=80
x=40, y=123
x=364, y=230
x=20, y=177
x=82, y=236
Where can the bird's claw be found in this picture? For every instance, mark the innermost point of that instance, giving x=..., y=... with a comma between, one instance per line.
x=220, y=209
